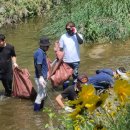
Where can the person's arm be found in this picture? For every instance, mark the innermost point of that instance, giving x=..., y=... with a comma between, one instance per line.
x=14, y=61
x=13, y=55
x=55, y=67
x=80, y=40
x=39, y=69
x=79, y=36
x=59, y=100
x=41, y=79
x=63, y=95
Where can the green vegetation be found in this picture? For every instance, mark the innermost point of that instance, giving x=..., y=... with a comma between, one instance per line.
x=98, y=20
x=108, y=111
x=12, y=11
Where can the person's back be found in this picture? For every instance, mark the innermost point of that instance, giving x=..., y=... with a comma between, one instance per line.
x=102, y=79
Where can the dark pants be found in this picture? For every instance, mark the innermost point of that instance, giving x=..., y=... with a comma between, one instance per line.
x=6, y=80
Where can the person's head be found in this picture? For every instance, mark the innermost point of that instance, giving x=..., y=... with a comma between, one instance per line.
x=2, y=40
x=82, y=79
x=44, y=43
x=69, y=28
x=121, y=73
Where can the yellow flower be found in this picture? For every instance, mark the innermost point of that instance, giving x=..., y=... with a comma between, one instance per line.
x=122, y=89
x=91, y=103
x=77, y=128
x=76, y=111
x=96, y=101
x=86, y=92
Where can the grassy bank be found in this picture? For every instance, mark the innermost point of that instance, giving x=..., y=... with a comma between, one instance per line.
x=105, y=111
x=98, y=20
x=12, y=11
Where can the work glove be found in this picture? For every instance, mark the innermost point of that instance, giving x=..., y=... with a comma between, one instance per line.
x=68, y=109
x=74, y=29
x=42, y=81
x=15, y=65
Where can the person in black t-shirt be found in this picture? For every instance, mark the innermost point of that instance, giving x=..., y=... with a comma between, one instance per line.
x=71, y=92
x=7, y=59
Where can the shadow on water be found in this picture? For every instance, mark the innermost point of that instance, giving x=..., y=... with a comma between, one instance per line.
x=17, y=114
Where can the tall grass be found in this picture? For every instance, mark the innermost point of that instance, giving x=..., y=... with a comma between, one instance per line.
x=97, y=19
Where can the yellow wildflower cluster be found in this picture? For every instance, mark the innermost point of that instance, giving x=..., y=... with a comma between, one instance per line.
x=88, y=100
x=108, y=105
x=122, y=89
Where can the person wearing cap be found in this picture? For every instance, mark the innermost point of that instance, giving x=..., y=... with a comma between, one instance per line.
x=71, y=92
x=41, y=69
x=7, y=62
x=121, y=73
x=69, y=44
x=103, y=79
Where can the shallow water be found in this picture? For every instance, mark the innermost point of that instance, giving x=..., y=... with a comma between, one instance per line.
x=17, y=114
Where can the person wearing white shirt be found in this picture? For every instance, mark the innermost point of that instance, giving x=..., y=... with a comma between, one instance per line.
x=69, y=44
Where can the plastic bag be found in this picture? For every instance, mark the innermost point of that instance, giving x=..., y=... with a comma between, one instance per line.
x=22, y=85
x=63, y=72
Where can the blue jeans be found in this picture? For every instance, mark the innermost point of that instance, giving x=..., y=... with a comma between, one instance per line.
x=75, y=67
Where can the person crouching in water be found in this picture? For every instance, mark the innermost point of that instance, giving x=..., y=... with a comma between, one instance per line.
x=71, y=92
x=41, y=69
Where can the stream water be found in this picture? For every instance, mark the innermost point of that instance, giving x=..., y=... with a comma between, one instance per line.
x=17, y=114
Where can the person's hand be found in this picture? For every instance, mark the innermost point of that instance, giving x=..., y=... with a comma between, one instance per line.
x=74, y=29
x=42, y=81
x=68, y=109
x=15, y=65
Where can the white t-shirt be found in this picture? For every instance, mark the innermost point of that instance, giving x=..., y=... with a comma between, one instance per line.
x=70, y=47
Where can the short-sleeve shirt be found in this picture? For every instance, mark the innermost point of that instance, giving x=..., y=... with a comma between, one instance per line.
x=40, y=58
x=70, y=47
x=6, y=54
x=69, y=93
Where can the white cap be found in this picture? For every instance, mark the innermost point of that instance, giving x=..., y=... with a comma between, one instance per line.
x=123, y=75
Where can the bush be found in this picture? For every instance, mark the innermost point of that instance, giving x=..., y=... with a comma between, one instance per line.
x=96, y=19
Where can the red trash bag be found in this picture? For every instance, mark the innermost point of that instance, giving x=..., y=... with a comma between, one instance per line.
x=22, y=85
x=63, y=72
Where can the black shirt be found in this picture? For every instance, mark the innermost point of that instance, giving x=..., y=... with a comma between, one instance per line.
x=69, y=93
x=6, y=54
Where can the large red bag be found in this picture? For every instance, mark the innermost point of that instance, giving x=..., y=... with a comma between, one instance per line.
x=63, y=71
x=22, y=85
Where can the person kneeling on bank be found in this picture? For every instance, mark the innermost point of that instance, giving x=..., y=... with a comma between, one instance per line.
x=71, y=92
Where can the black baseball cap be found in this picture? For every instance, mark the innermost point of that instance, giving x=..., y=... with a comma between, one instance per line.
x=44, y=41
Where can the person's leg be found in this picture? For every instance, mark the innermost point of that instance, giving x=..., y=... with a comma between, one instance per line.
x=75, y=67
x=66, y=84
x=7, y=83
x=41, y=93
